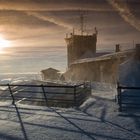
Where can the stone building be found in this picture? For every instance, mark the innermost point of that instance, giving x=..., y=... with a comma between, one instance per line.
x=78, y=45
x=85, y=64
x=100, y=69
x=50, y=74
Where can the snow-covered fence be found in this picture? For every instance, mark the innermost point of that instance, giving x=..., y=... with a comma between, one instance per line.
x=50, y=95
x=128, y=96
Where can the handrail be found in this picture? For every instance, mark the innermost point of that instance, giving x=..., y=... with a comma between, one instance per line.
x=54, y=86
x=45, y=94
x=126, y=87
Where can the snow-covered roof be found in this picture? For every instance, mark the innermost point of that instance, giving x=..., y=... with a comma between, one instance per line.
x=103, y=56
x=50, y=69
x=89, y=54
x=129, y=73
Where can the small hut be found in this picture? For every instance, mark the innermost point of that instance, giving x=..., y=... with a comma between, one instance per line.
x=50, y=74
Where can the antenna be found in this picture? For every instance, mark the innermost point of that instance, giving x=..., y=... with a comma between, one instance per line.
x=133, y=44
x=82, y=23
x=73, y=32
x=96, y=31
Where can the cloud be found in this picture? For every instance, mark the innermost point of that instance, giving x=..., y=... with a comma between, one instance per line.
x=125, y=13
x=36, y=26
x=45, y=22
x=50, y=19
x=17, y=25
x=54, y=5
x=11, y=17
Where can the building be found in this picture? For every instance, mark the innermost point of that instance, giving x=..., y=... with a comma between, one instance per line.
x=85, y=64
x=102, y=68
x=50, y=74
x=78, y=45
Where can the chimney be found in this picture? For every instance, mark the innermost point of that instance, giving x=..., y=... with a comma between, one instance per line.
x=117, y=48
x=137, y=52
x=137, y=46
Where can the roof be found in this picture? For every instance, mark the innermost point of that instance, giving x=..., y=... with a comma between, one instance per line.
x=80, y=36
x=50, y=69
x=89, y=54
x=103, y=56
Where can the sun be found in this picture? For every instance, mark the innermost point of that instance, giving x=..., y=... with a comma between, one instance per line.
x=4, y=44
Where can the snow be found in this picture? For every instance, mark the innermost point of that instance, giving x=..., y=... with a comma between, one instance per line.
x=103, y=56
x=96, y=119
x=129, y=73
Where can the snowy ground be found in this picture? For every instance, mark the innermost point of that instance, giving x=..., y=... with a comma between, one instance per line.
x=97, y=119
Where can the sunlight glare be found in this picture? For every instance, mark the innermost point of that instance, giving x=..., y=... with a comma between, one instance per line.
x=3, y=44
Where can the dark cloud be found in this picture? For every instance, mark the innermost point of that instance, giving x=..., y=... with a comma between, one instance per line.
x=22, y=19
x=125, y=12
x=54, y=5
x=45, y=22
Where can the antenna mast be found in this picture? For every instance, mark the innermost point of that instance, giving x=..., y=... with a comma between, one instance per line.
x=82, y=23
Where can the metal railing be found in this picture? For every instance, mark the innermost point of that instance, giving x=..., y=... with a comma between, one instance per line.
x=128, y=98
x=76, y=94
x=67, y=95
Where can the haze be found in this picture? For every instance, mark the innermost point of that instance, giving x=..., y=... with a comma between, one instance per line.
x=37, y=28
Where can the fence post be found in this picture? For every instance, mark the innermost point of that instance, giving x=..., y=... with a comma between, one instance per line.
x=44, y=93
x=119, y=97
x=90, y=86
x=11, y=93
x=18, y=113
x=75, y=101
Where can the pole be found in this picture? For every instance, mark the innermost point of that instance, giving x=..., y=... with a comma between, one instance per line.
x=75, y=101
x=44, y=93
x=11, y=93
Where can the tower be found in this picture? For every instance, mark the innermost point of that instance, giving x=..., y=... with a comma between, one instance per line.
x=78, y=45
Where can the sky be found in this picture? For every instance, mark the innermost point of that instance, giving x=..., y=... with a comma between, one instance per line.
x=36, y=29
